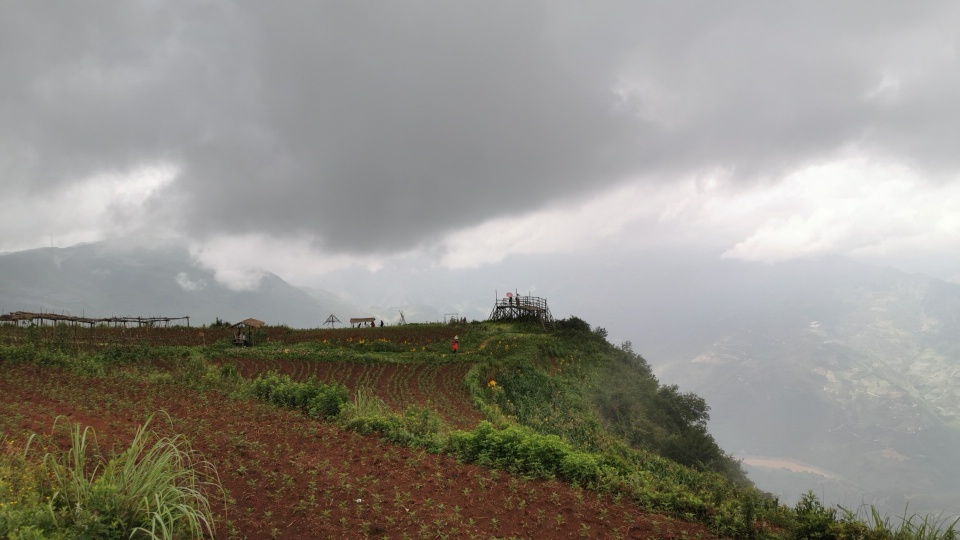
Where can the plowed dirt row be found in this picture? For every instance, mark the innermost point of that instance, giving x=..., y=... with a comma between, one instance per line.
x=97, y=338
x=439, y=386
x=290, y=477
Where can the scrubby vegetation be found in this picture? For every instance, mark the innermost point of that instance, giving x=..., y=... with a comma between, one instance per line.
x=155, y=488
x=567, y=406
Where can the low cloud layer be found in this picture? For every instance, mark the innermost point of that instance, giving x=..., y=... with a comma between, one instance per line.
x=351, y=131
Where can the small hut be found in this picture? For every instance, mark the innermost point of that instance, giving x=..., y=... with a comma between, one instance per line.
x=363, y=321
x=243, y=331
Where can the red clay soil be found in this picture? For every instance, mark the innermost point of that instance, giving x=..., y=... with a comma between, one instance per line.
x=438, y=386
x=287, y=476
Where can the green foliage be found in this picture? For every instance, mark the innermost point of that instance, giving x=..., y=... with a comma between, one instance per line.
x=228, y=372
x=417, y=427
x=220, y=324
x=549, y=404
x=521, y=450
x=661, y=418
x=381, y=346
x=156, y=488
x=576, y=330
x=652, y=482
x=314, y=398
x=32, y=353
x=574, y=326
x=153, y=488
x=813, y=520
x=567, y=405
x=23, y=489
x=121, y=354
x=581, y=388
x=188, y=365
x=810, y=519
x=364, y=404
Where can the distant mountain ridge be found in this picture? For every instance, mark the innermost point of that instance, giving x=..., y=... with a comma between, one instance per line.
x=103, y=279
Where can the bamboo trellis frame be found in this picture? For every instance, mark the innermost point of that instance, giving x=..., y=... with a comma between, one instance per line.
x=55, y=318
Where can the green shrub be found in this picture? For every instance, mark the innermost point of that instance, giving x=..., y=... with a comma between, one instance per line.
x=421, y=422
x=127, y=354
x=521, y=450
x=22, y=354
x=328, y=402
x=813, y=520
x=314, y=398
x=228, y=372
x=580, y=468
x=417, y=427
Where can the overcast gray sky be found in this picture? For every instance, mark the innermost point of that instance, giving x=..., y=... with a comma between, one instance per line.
x=325, y=135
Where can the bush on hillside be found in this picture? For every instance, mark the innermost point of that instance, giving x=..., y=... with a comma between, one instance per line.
x=572, y=325
x=580, y=387
x=521, y=450
x=314, y=398
x=635, y=406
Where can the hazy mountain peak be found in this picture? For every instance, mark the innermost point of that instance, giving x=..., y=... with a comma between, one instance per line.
x=114, y=278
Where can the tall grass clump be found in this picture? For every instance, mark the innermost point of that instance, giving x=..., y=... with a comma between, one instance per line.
x=156, y=488
x=417, y=427
x=870, y=524
x=365, y=403
x=929, y=528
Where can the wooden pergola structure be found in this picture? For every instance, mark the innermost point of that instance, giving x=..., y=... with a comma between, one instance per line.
x=360, y=321
x=41, y=319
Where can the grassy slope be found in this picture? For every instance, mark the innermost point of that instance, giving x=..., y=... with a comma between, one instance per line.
x=567, y=405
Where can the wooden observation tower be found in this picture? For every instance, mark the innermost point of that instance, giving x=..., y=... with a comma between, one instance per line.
x=516, y=307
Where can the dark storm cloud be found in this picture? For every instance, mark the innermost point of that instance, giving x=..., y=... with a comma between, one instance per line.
x=375, y=126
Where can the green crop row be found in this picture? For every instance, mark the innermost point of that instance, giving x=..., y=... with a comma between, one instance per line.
x=314, y=398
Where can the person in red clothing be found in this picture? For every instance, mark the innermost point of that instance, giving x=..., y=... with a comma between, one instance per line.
x=456, y=345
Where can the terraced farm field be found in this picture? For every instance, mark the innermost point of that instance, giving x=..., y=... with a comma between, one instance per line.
x=97, y=337
x=436, y=386
x=287, y=476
